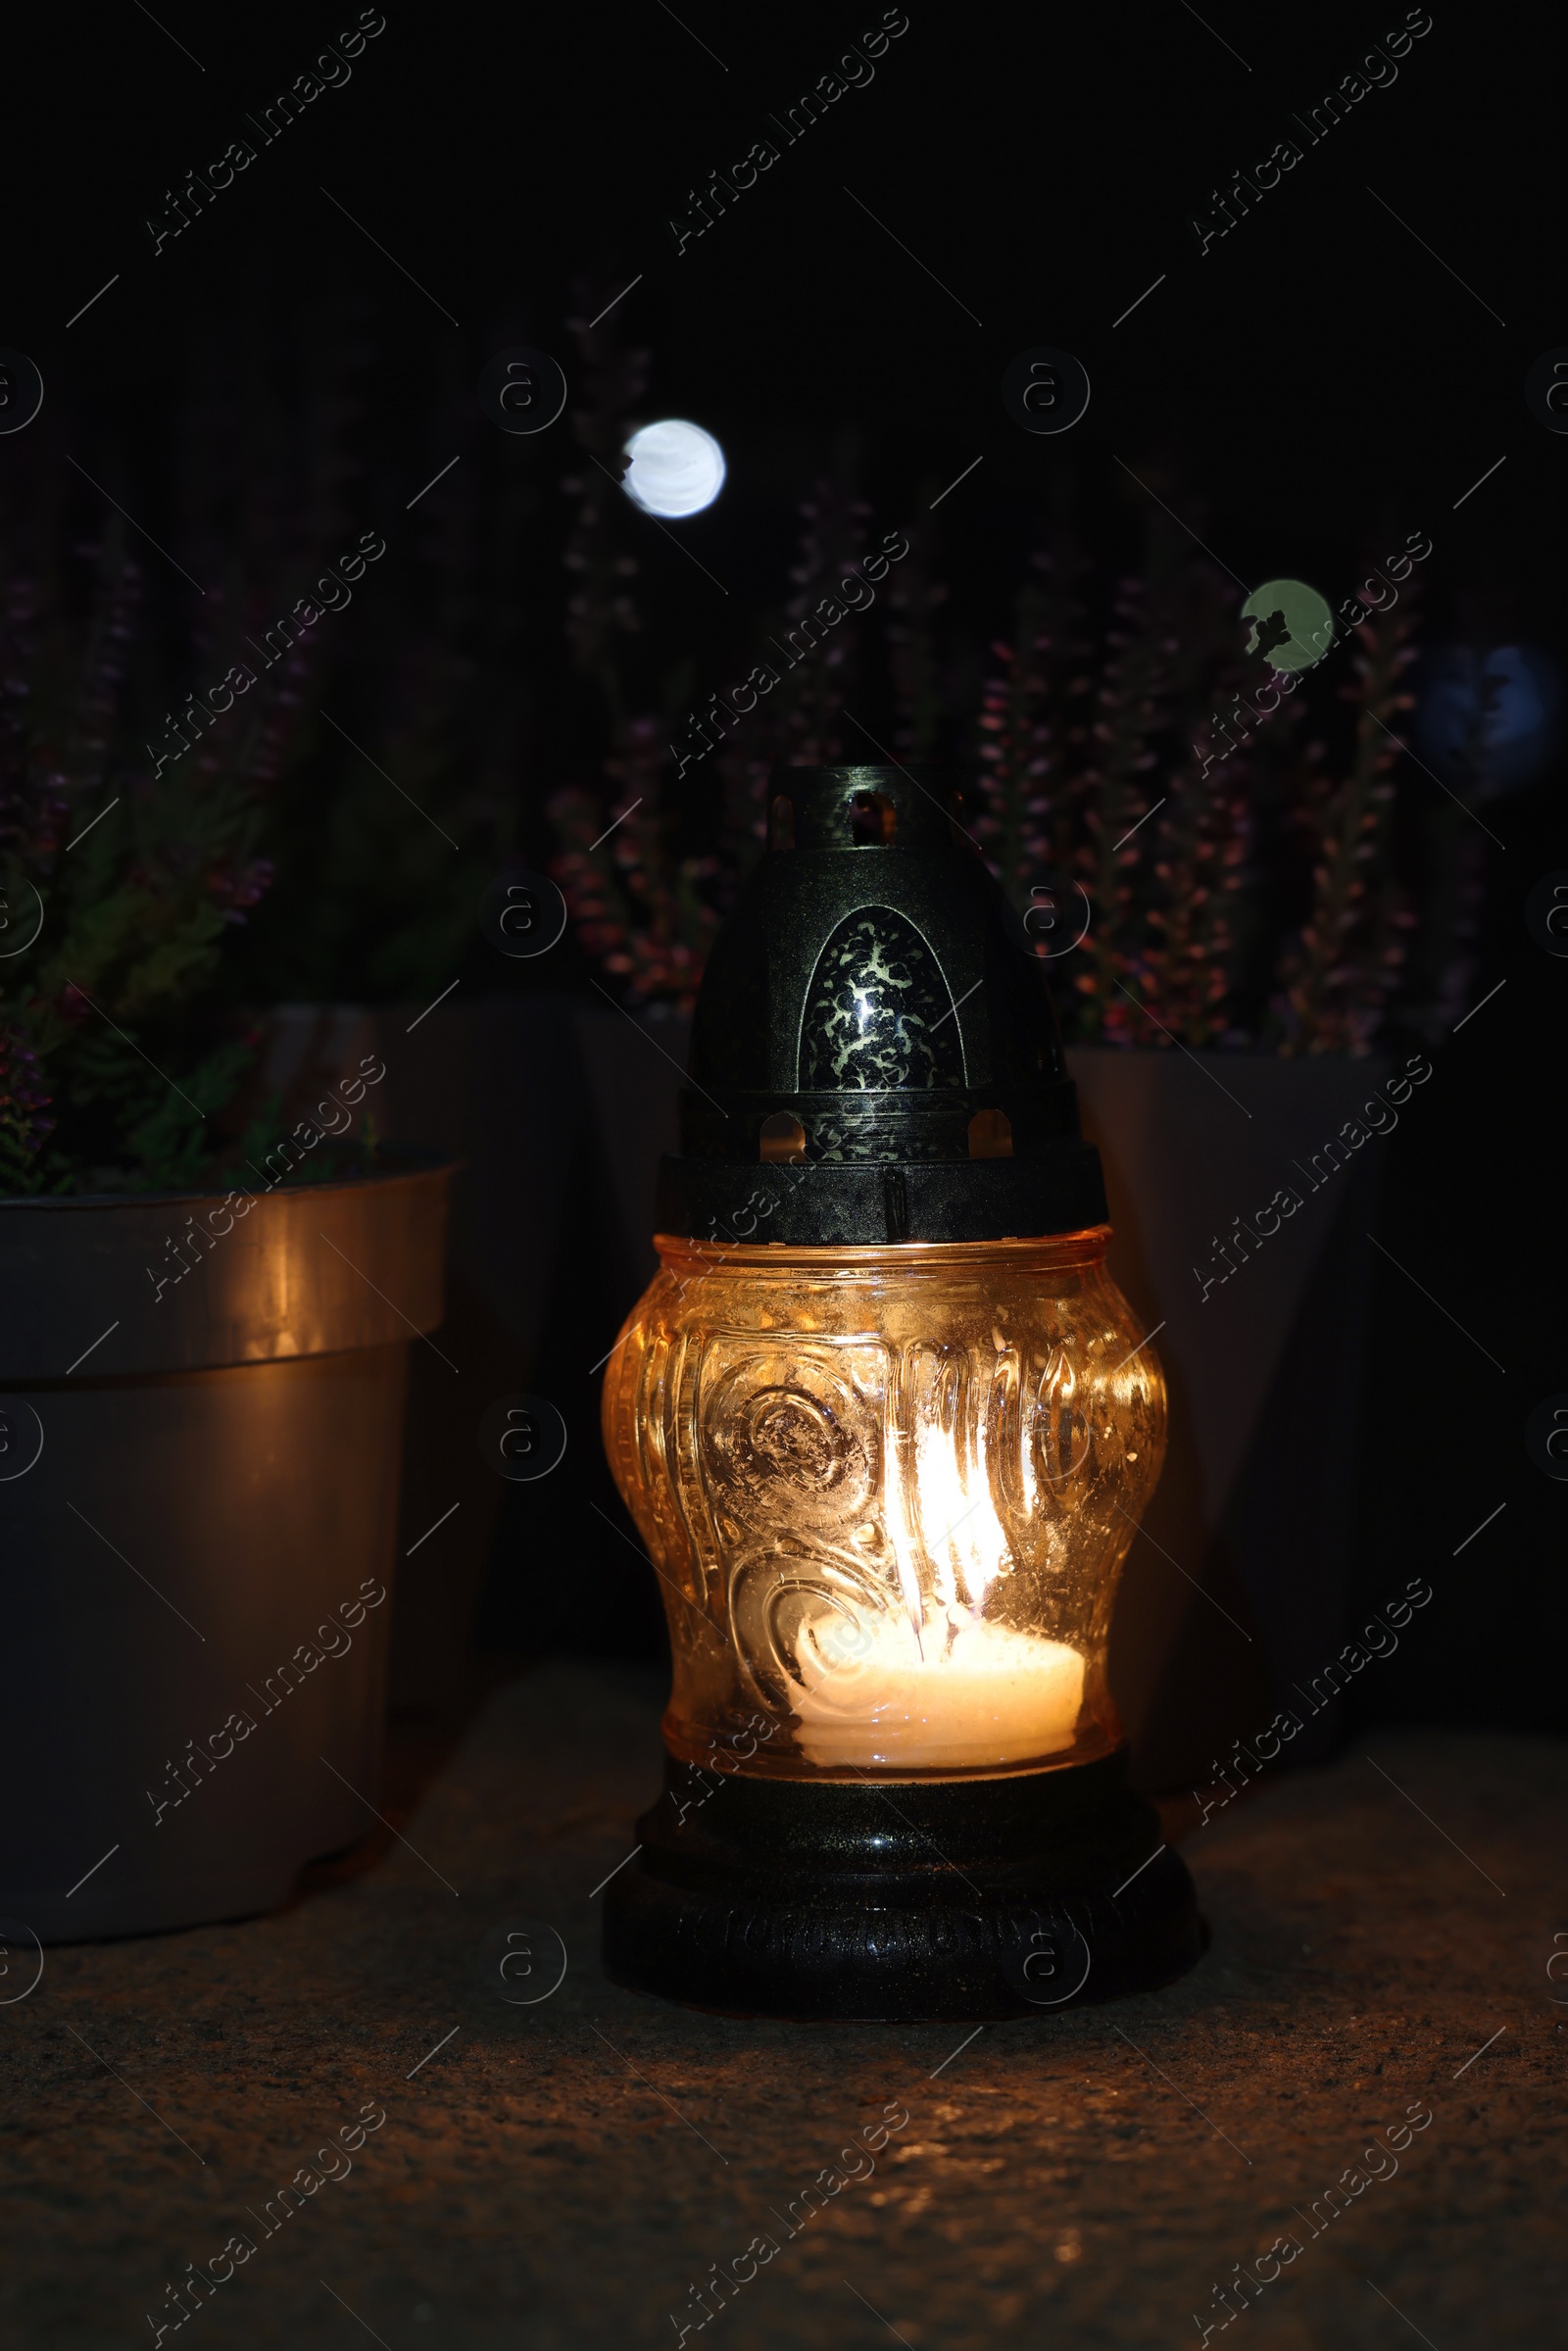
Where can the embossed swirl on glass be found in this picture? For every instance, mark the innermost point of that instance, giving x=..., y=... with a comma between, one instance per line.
x=889, y=1492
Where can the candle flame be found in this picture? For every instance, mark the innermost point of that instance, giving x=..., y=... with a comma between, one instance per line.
x=943, y=1525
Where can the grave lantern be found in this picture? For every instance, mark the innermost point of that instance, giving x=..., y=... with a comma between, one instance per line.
x=886, y=1426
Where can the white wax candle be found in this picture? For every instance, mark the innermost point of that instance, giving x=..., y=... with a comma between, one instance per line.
x=992, y=1698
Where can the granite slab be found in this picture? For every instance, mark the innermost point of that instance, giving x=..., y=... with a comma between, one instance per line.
x=586, y=2169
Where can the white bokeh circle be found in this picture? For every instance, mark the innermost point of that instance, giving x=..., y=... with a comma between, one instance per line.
x=676, y=468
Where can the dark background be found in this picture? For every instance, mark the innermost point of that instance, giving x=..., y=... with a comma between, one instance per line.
x=1314, y=372
x=1317, y=380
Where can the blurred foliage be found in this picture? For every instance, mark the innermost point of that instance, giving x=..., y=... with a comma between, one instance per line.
x=1240, y=864
x=175, y=864
x=122, y=891
x=498, y=687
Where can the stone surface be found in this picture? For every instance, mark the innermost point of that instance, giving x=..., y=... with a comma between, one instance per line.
x=563, y=2174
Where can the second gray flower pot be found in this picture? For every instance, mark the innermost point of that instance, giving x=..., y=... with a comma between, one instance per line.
x=198, y=1507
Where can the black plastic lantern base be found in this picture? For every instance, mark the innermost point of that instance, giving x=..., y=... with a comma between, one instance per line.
x=934, y=1899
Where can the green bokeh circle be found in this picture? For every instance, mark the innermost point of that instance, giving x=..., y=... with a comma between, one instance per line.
x=1299, y=610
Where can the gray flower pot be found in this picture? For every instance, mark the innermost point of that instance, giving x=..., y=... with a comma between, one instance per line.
x=1236, y=1584
x=539, y=1096
x=198, y=1507
x=495, y=1083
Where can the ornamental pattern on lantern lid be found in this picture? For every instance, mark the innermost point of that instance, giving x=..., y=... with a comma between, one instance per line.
x=874, y=1053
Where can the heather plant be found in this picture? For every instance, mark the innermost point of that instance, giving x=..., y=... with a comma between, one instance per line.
x=643, y=910
x=1339, y=973
x=25, y=1122
x=1095, y=774
x=646, y=896
x=1241, y=893
x=136, y=816
x=323, y=826
x=1243, y=882
x=117, y=1056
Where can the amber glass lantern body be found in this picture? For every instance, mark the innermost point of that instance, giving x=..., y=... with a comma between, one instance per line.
x=888, y=1493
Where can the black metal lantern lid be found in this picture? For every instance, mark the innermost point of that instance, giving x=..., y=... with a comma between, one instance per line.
x=874, y=1053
